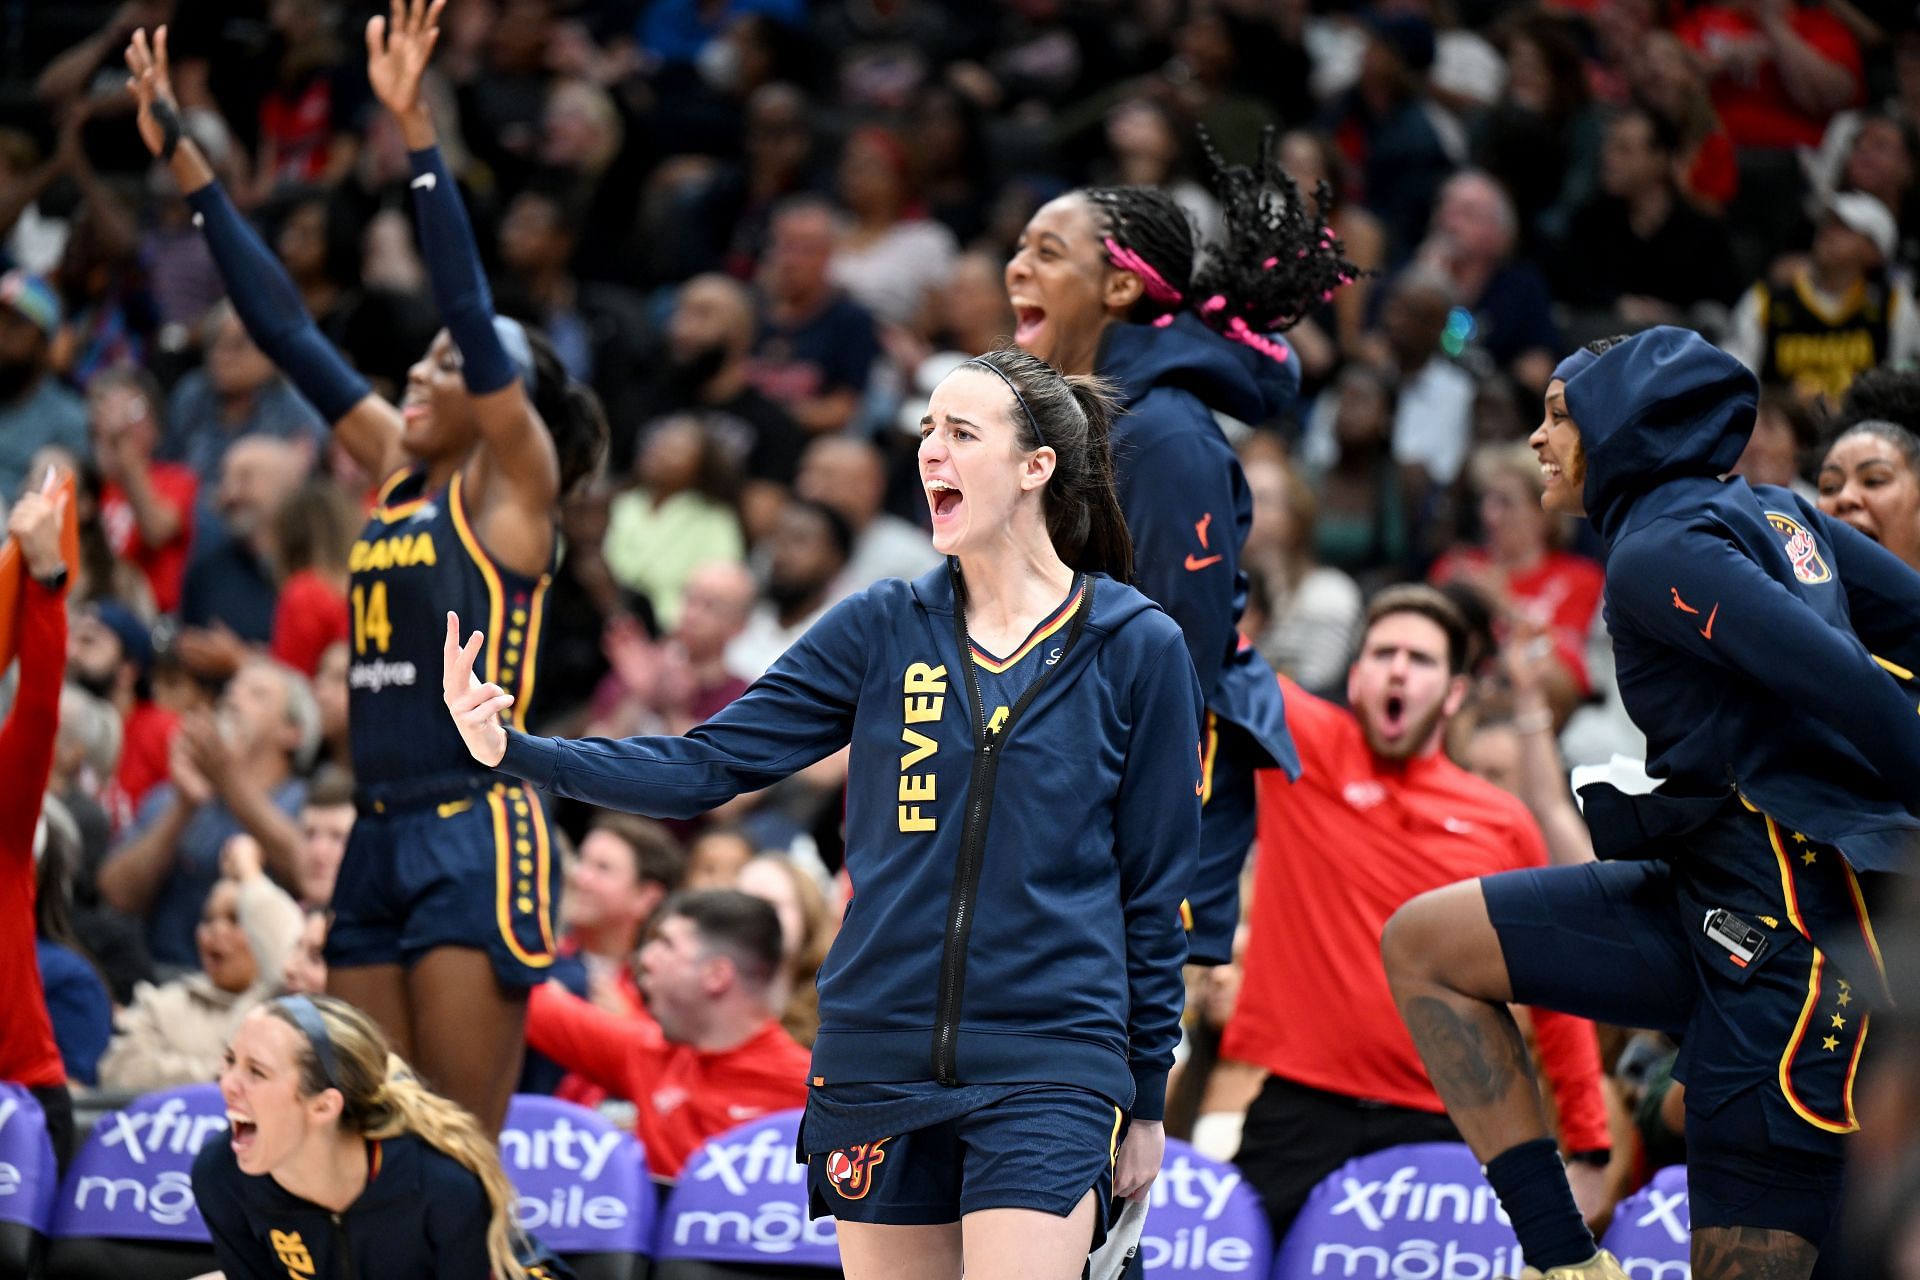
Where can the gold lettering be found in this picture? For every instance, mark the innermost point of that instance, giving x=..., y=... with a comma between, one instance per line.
x=917, y=786
x=922, y=678
x=922, y=745
x=921, y=710
x=910, y=819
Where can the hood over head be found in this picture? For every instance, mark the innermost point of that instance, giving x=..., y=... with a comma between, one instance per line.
x=1663, y=405
x=1227, y=376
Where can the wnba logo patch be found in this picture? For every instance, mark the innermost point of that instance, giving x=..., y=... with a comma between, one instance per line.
x=850, y=1170
x=1802, y=550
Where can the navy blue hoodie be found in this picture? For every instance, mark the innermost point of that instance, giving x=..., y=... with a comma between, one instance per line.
x=1016, y=908
x=1187, y=503
x=1746, y=623
x=422, y=1215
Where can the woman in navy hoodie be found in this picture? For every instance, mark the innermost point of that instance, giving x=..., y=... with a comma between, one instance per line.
x=1022, y=808
x=339, y=1164
x=1109, y=280
x=1757, y=643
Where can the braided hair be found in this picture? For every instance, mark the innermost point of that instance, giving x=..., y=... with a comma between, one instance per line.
x=1278, y=260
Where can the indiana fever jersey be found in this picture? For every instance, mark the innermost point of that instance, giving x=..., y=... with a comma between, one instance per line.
x=417, y=558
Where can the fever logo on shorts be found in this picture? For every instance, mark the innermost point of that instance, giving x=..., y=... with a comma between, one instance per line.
x=1801, y=549
x=851, y=1169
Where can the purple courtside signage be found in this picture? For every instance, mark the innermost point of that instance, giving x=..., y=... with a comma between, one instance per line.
x=582, y=1182
x=29, y=1179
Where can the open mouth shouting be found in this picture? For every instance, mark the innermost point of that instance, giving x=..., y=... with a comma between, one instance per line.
x=944, y=499
x=1027, y=322
x=1393, y=718
x=242, y=1132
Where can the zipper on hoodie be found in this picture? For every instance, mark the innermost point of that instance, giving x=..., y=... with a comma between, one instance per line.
x=966, y=873
x=345, y=1246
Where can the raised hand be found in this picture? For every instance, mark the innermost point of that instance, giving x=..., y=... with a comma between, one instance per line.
x=475, y=707
x=152, y=85
x=34, y=523
x=398, y=50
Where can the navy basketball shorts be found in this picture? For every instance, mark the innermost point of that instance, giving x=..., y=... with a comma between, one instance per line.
x=1041, y=1148
x=1715, y=949
x=478, y=871
x=1228, y=822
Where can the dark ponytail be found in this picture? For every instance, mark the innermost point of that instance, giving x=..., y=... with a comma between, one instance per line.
x=1072, y=414
x=571, y=411
x=1277, y=262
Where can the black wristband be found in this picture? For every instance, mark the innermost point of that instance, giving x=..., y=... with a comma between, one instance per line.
x=55, y=581
x=1600, y=1158
x=169, y=121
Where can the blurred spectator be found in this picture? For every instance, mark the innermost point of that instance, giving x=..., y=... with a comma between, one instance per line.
x=1839, y=315
x=1778, y=69
x=624, y=870
x=1876, y=153
x=85, y=755
x=1666, y=80
x=1882, y=395
x=850, y=476
x=1541, y=140
x=1148, y=144
x=236, y=394
x=1870, y=478
x=888, y=53
x=1410, y=820
x=76, y=996
x=1310, y=158
x=892, y=253
x=1398, y=140
x=679, y=515
x=724, y=224
x=718, y=1055
x=35, y=408
x=305, y=972
x=30, y=239
x=311, y=114
x=807, y=930
x=231, y=774
x=1522, y=574
x=101, y=575
x=175, y=1033
x=715, y=858
x=815, y=348
x=181, y=277
x=1471, y=243
x=1369, y=500
x=811, y=548
x=679, y=31
x=950, y=157
x=709, y=339
x=598, y=330
x=326, y=820
x=330, y=696
x=1776, y=452
x=110, y=655
x=671, y=685
x=313, y=534
x=146, y=507
x=1638, y=249
x=969, y=316
x=1312, y=610
x=379, y=329
x=230, y=590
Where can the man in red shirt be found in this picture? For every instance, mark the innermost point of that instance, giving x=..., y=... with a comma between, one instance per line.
x=28, y=1053
x=109, y=654
x=1378, y=817
x=1778, y=70
x=716, y=1058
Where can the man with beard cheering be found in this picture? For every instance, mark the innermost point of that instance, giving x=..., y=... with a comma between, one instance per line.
x=1379, y=796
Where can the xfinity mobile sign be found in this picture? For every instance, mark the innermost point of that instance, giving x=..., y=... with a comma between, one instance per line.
x=582, y=1182
x=743, y=1198
x=134, y=1178
x=28, y=1178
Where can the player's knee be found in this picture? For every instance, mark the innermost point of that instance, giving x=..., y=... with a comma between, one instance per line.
x=1410, y=943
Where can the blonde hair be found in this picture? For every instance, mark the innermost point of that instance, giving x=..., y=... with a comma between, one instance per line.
x=382, y=1098
x=801, y=1016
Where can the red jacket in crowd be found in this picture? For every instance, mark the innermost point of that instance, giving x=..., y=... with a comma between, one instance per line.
x=1339, y=851
x=28, y=1054
x=684, y=1096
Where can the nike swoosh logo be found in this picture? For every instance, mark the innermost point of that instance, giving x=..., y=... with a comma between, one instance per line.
x=1707, y=630
x=1195, y=563
x=426, y=181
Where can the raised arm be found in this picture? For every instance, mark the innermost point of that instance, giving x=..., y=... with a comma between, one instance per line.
x=266, y=300
x=801, y=711
x=520, y=448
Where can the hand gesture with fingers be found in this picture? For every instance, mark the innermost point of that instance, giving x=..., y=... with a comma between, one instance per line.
x=476, y=707
x=398, y=50
x=152, y=87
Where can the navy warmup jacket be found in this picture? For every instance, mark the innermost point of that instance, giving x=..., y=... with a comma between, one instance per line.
x=1751, y=631
x=1016, y=909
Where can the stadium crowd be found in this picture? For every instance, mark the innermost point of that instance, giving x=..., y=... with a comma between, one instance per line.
x=762, y=231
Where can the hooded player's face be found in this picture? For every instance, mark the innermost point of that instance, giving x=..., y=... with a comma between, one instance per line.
x=1563, y=467
x=269, y=1119
x=977, y=477
x=1401, y=686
